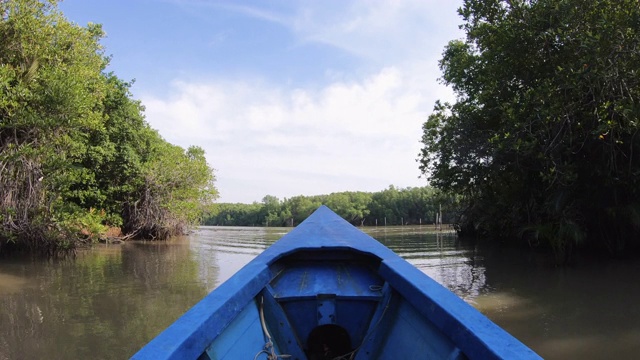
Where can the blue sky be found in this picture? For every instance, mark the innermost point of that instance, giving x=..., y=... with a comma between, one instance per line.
x=286, y=97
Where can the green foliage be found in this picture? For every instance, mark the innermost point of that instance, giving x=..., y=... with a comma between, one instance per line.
x=352, y=206
x=543, y=131
x=302, y=206
x=177, y=186
x=234, y=214
x=76, y=220
x=114, y=155
x=76, y=154
x=51, y=88
x=397, y=206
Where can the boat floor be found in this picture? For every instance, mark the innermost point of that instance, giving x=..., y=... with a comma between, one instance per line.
x=319, y=307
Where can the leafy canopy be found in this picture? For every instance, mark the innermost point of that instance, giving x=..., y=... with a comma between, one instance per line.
x=76, y=155
x=542, y=138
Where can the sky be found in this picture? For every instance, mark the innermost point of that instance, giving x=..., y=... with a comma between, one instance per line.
x=286, y=98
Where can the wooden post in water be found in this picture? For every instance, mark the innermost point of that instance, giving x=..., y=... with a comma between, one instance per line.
x=440, y=218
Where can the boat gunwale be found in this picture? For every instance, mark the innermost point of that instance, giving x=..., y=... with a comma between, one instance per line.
x=472, y=332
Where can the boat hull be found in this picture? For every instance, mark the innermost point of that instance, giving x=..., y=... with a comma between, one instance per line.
x=326, y=291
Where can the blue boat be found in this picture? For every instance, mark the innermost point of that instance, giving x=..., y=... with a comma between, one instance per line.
x=326, y=290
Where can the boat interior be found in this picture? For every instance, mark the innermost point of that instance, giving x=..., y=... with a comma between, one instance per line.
x=330, y=303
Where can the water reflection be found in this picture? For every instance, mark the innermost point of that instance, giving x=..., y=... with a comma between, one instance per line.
x=110, y=300
x=223, y=250
x=585, y=312
x=588, y=311
x=457, y=266
x=102, y=304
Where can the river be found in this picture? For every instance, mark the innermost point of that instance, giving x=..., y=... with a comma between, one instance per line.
x=109, y=300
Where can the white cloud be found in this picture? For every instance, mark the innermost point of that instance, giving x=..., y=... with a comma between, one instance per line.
x=268, y=140
x=358, y=134
x=384, y=31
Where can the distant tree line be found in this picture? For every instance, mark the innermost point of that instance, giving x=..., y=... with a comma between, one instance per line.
x=393, y=206
x=542, y=141
x=77, y=158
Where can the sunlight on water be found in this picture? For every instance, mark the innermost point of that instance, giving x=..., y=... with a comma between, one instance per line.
x=437, y=254
x=506, y=305
x=227, y=249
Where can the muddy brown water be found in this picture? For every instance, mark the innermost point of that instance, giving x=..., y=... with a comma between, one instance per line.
x=109, y=300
